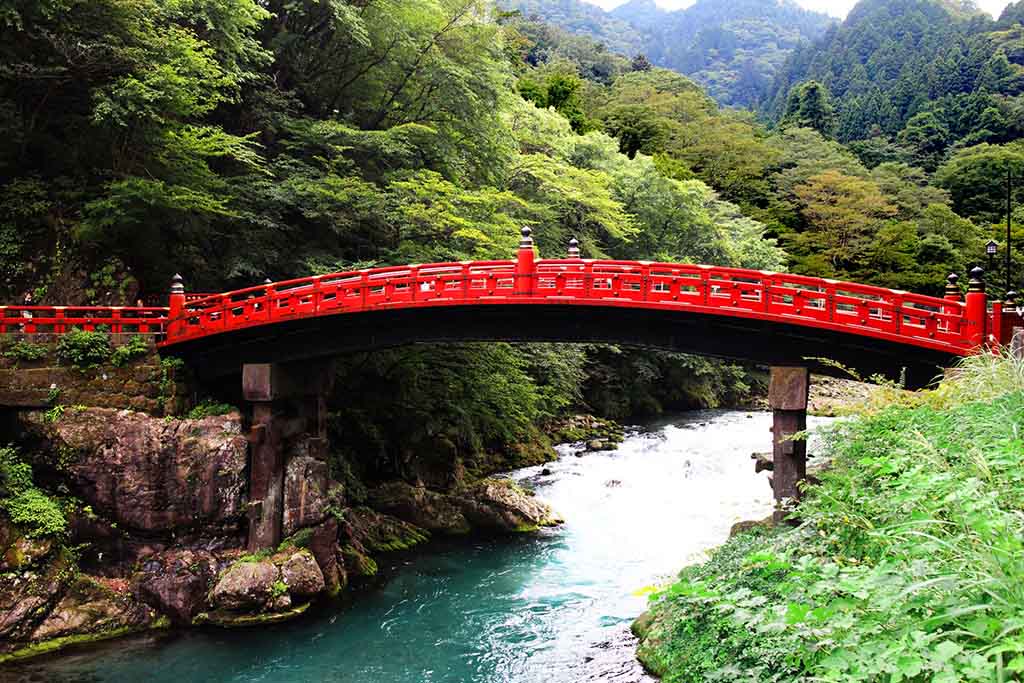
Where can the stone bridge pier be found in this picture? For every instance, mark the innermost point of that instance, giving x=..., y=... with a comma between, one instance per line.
x=288, y=434
x=788, y=391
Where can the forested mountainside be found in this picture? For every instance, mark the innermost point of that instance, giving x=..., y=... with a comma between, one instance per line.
x=932, y=72
x=733, y=49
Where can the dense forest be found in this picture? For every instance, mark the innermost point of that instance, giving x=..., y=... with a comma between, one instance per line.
x=233, y=140
x=732, y=49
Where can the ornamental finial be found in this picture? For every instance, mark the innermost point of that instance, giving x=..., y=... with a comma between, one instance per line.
x=177, y=284
x=574, y=248
x=527, y=241
x=977, y=281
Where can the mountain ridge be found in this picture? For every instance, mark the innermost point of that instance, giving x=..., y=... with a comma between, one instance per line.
x=733, y=49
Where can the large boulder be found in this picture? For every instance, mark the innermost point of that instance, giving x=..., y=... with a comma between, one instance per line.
x=245, y=586
x=176, y=582
x=151, y=474
x=494, y=505
x=301, y=574
x=500, y=505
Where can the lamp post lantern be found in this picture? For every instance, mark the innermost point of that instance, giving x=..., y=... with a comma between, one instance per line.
x=990, y=250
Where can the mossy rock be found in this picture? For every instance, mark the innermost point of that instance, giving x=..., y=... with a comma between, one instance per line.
x=358, y=563
x=231, y=620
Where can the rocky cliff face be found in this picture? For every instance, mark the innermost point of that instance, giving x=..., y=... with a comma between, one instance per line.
x=157, y=513
x=156, y=477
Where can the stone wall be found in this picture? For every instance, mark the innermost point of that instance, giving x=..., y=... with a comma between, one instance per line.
x=147, y=384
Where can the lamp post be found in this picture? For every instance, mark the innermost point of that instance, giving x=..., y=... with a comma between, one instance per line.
x=1009, y=221
x=990, y=250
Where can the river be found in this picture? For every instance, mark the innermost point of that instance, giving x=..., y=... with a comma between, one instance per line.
x=549, y=608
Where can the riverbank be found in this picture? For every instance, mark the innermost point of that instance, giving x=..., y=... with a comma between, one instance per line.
x=907, y=566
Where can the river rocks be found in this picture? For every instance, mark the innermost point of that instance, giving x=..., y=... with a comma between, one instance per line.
x=376, y=532
x=301, y=574
x=493, y=505
x=245, y=586
x=323, y=544
x=27, y=598
x=94, y=607
x=501, y=505
x=153, y=475
x=587, y=428
x=176, y=582
x=253, y=585
x=420, y=506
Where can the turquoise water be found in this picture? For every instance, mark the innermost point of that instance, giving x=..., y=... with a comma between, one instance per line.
x=555, y=607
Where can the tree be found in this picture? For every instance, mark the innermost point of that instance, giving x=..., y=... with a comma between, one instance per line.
x=842, y=214
x=926, y=138
x=640, y=63
x=810, y=106
x=637, y=128
x=976, y=179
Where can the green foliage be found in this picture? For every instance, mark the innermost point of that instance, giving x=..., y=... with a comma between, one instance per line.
x=810, y=106
x=976, y=179
x=209, y=408
x=26, y=351
x=83, y=349
x=26, y=505
x=906, y=566
x=136, y=347
x=300, y=539
x=54, y=414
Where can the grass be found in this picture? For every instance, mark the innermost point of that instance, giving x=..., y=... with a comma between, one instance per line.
x=908, y=564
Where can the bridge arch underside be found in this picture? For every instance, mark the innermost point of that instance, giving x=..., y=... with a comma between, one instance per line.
x=726, y=337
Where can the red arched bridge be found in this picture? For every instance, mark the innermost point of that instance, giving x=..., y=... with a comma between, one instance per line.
x=275, y=335
x=734, y=313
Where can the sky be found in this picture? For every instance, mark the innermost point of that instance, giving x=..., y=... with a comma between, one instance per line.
x=837, y=8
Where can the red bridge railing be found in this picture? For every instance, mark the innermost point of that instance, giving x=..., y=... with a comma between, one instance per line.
x=842, y=306
x=61, y=319
x=947, y=324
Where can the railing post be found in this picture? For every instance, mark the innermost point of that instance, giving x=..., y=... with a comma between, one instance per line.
x=976, y=313
x=525, y=264
x=176, y=306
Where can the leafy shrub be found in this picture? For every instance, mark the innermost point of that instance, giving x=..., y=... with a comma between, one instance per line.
x=136, y=347
x=26, y=505
x=83, y=349
x=26, y=351
x=210, y=408
x=908, y=564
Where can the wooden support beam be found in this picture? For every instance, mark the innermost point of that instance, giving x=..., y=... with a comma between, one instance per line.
x=787, y=396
